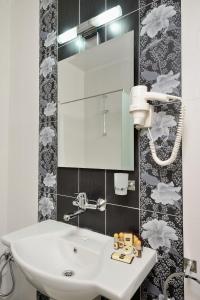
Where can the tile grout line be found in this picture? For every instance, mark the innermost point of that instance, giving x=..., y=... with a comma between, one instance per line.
x=64, y=196
x=123, y=206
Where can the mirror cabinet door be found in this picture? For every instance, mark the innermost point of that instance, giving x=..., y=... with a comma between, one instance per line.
x=94, y=83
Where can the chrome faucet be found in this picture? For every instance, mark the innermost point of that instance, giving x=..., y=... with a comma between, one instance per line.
x=83, y=204
x=67, y=218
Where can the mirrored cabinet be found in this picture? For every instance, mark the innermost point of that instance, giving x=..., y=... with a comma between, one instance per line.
x=95, y=129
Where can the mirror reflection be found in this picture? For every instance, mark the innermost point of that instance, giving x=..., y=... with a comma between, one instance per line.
x=93, y=94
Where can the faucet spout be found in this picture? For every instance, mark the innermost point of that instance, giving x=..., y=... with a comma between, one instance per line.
x=84, y=204
x=67, y=218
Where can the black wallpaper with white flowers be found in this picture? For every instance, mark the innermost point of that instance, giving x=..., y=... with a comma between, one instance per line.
x=157, y=207
x=48, y=110
x=161, y=187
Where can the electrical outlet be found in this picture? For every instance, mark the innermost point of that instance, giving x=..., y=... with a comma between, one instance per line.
x=131, y=185
x=193, y=266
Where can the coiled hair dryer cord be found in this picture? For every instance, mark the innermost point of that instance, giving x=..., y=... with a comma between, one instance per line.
x=177, y=143
x=8, y=261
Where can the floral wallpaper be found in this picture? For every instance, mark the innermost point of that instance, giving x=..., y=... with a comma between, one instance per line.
x=161, y=187
x=48, y=109
x=48, y=116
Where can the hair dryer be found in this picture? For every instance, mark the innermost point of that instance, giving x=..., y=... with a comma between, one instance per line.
x=142, y=113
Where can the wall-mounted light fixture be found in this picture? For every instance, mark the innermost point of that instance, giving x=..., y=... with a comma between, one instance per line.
x=107, y=16
x=80, y=42
x=115, y=28
x=90, y=25
x=67, y=35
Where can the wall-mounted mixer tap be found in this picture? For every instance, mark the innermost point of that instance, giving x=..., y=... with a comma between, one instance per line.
x=83, y=204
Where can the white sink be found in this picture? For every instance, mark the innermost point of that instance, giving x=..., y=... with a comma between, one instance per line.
x=48, y=251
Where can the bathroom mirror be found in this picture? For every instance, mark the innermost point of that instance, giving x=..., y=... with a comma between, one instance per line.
x=93, y=104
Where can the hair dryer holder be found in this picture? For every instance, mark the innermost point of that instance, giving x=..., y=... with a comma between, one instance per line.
x=143, y=111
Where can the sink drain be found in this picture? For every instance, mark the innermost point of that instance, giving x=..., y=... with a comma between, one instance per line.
x=68, y=273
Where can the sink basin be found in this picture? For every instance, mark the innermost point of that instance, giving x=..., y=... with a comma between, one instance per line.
x=69, y=263
x=45, y=259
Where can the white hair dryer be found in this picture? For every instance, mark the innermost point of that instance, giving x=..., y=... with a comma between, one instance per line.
x=142, y=118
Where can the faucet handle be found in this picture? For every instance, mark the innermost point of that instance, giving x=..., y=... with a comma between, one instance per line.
x=81, y=200
x=101, y=204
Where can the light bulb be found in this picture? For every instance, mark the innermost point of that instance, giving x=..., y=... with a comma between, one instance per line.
x=80, y=43
x=107, y=16
x=115, y=28
x=67, y=35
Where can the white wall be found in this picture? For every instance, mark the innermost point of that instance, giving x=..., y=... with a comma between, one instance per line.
x=4, y=104
x=19, y=94
x=24, y=105
x=191, y=145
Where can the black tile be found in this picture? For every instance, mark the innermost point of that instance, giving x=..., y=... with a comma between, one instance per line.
x=123, y=219
x=67, y=50
x=67, y=181
x=125, y=24
x=90, y=8
x=65, y=206
x=101, y=32
x=93, y=220
x=68, y=14
x=92, y=182
x=132, y=197
x=126, y=5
